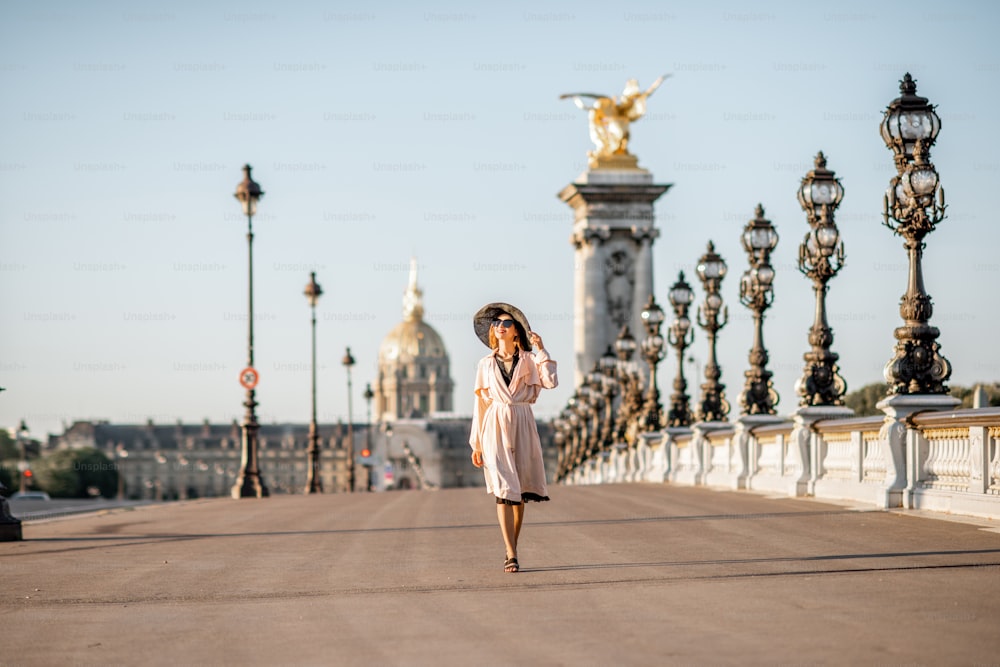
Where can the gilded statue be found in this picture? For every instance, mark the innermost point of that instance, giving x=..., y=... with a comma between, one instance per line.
x=609, y=120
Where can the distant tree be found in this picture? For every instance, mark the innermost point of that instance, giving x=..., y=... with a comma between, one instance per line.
x=8, y=446
x=967, y=394
x=7, y=476
x=69, y=473
x=863, y=400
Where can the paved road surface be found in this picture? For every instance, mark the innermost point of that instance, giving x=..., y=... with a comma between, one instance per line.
x=614, y=575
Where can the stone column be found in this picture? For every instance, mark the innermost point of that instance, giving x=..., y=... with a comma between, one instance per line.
x=899, y=444
x=803, y=450
x=613, y=234
x=743, y=429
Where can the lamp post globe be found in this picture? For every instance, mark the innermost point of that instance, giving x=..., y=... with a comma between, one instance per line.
x=907, y=120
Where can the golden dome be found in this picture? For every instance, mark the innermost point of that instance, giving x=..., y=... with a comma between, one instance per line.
x=409, y=340
x=412, y=338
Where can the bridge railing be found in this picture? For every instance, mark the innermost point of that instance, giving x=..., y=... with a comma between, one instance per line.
x=944, y=461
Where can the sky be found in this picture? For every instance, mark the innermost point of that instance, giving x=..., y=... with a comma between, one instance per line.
x=381, y=131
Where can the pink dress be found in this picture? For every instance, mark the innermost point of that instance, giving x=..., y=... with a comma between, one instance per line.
x=503, y=424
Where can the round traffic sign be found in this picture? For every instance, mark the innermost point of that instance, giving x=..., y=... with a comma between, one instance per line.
x=249, y=377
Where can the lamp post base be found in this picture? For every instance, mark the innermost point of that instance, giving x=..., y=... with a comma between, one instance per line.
x=10, y=527
x=10, y=531
x=249, y=486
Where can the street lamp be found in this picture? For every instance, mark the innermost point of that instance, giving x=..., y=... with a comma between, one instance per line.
x=631, y=390
x=610, y=385
x=121, y=454
x=314, y=481
x=599, y=398
x=679, y=336
x=913, y=205
x=652, y=349
x=711, y=271
x=348, y=361
x=24, y=470
x=757, y=293
x=821, y=256
x=368, y=395
x=249, y=483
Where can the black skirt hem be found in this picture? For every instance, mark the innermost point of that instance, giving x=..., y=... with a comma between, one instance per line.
x=525, y=497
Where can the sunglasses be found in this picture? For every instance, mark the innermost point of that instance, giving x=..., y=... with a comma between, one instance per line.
x=504, y=324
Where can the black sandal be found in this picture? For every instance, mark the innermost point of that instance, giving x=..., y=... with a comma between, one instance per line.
x=510, y=565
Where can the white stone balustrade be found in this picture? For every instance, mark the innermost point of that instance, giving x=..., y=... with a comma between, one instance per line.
x=937, y=460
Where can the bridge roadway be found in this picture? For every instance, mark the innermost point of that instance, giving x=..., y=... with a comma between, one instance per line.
x=636, y=574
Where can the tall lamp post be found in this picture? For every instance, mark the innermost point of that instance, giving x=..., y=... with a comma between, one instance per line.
x=680, y=335
x=348, y=361
x=21, y=435
x=122, y=455
x=631, y=401
x=912, y=207
x=711, y=271
x=611, y=387
x=314, y=481
x=757, y=293
x=821, y=256
x=248, y=482
x=652, y=349
x=368, y=396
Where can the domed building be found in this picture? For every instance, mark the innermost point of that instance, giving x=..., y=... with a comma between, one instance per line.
x=414, y=380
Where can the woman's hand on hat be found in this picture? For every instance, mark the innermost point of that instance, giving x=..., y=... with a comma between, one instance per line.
x=536, y=340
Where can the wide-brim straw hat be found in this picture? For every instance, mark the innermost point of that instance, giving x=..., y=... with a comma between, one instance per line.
x=483, y=320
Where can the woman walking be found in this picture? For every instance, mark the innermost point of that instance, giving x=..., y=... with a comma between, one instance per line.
x=504, y=436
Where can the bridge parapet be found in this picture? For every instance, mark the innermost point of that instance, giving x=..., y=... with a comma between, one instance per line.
x=939, y=460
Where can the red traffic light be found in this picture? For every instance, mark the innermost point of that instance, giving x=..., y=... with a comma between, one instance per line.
x=365, y=453
x=28, y=473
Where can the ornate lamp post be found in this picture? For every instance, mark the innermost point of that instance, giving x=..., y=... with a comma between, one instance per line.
x=248, y=482
x=680, y=335
x=631, y=401
x=711, y=271
x=348, y=361
x=821, y=256
x=757, y=293
x=652, y=349
x=314, y=481
x=607, y=366
x=912, y=207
